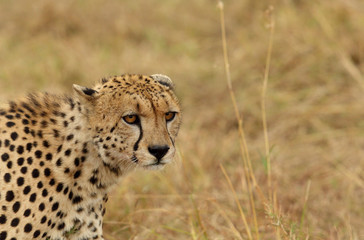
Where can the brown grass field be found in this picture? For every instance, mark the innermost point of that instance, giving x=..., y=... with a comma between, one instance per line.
x=303, y=179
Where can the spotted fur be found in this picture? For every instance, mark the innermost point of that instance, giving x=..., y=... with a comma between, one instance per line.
x=59, y=156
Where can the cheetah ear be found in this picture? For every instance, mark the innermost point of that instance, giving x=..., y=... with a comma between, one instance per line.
x=164, y=80
x=85, y=92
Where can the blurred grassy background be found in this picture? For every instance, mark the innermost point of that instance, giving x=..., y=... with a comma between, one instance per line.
x=314, y=106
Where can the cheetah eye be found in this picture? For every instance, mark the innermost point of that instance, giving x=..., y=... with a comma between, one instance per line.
x=170, y=116
x=131, y=119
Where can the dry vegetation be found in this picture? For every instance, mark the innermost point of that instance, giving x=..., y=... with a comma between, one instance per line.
x=314, y=108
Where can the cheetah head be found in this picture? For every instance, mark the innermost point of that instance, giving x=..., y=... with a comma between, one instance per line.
x=133, y=119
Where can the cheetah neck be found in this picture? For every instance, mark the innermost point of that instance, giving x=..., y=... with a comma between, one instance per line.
x=77, y=163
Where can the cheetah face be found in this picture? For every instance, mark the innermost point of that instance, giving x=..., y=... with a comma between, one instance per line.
x=134, y=120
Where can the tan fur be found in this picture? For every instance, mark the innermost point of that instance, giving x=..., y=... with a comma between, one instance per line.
x=69, y=151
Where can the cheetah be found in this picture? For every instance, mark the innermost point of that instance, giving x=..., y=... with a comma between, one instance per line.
x=61, y=155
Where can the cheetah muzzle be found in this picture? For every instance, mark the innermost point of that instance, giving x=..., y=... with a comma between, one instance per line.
x=60, y=155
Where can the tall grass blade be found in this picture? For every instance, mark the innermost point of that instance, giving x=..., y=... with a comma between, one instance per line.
x=227, y=219
x=304, y=210
x=249, y=175
x=270, y=25
x=243, y=217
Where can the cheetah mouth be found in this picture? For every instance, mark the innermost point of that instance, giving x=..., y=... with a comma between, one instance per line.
x=155, y=166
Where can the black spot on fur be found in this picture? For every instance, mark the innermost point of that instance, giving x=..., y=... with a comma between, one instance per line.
x=33, y=197
x=24, y=170
x=5, y=157
x=3, y=235
x=77, y=199
x=36, y=234
x=9, y=196
x=14, y=222
x=35, y=173
x=49, y=156
x=7, y=177
x=38, y=154
x=47, y=172
x=29, y=147
x=14, y=136
x=46, y=144
x=28, y=227
x=70, y=137
x=20, y=161
x=59, y=187
x=55, y=206
x=20, y=181
x=10, y=124
x=44, y=193
x=2, y=219
x=77, y=174
x=16, y=207
x=20, y=149
x=27, y=212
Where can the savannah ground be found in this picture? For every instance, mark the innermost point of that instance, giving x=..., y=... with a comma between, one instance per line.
x=314, y=108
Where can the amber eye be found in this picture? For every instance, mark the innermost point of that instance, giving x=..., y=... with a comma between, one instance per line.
x=131, y=119
x=170, y=116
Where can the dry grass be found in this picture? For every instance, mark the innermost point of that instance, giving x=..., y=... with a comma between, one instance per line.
x=313, y=107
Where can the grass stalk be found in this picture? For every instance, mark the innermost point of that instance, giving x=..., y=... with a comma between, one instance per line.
x=304, y=210
x=227, y=219
x=275, y=207
x=193, y=232
x=199, y=220
x=271, y=23
x=242, y=139
x=243, y=145
x=181, y=231
x=252, y=204
x=242, y=214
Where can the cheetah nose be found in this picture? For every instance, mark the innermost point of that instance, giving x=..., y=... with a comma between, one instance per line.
x=158, y=151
